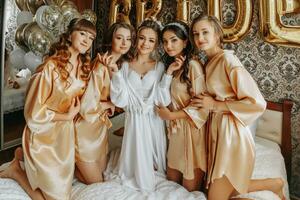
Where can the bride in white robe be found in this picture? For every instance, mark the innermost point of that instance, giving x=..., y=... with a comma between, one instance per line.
x=138, y=88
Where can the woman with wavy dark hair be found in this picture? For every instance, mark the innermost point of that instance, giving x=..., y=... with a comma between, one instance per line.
x=52, y=102
x=93, y=123
x=186, y=163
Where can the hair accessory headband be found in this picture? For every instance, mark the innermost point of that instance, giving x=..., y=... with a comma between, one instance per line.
x=179, y=26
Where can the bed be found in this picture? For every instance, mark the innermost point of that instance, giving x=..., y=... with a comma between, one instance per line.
x=273, y=159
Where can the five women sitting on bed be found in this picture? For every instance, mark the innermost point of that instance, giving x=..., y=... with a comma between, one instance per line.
x=211, y=103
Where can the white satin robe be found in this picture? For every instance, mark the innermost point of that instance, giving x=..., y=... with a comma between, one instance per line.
x=144, y=140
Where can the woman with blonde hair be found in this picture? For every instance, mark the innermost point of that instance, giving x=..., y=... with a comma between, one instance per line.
x=234, y=102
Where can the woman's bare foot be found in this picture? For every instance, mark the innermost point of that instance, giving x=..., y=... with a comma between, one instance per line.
x=19, y=154
x=14, y=167
x=12, y=170
x=277, y=187
x=119, y=132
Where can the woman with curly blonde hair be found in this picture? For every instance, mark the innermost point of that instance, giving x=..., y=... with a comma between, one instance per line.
x=52, y=102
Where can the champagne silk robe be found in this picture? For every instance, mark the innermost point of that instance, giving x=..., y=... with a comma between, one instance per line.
x=231, y=151
x=92, y=125
x=49, y=146
x=186, y=150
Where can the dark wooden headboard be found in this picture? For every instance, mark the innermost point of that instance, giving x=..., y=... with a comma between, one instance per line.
x=286, y=141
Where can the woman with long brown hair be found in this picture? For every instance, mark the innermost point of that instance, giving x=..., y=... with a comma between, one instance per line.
x=52, y=102
x=137, y=87
x=186, y=163
x=93, y=123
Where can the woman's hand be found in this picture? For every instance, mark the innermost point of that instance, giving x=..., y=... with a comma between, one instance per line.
x=109, y=106
x=164, y=113
x=205, y=101
x=107, y=60
x=74, y=108
x=176, y=65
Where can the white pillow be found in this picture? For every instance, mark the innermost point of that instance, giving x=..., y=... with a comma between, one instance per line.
x=253, y=128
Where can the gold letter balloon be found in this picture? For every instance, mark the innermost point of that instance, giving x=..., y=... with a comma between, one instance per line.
x=118, y=14
x=183, y=11
x=271, y=26
x=143, y=12
x=242, y=22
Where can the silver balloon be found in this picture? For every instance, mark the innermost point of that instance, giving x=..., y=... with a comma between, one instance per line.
x=16, y=58
x=32, y=60
x=68, y=4
x=90, y=15
x=53, y=2
x=49, y=18
x=24, y=17
x=36, y=39
x=33, y=5
x=19, y=37
x=22, y=5
x=69, y=13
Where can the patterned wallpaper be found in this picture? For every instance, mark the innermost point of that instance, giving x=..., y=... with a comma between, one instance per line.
x=1, y=25
x=276, y=69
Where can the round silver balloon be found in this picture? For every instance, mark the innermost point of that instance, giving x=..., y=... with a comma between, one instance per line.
x=68, y=4
x=37, y=40
x=19, y=37
x=32, y=60
x=90, y=15
x=16, y=58
x=22, y=5
x=69, y=13
x=33, y=5
x=49, y=18
x=49, y=2
x=28, y=29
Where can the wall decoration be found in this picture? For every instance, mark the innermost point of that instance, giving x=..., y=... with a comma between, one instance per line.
x=183, y=11
x=241, y=25
x=288, y=6
x=271, y=26
x=143, y=10
x=119, y=11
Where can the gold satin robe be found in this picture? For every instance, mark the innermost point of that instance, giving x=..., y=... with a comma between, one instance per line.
x=186, y=150
x=49, y=146
x=231, y=150
x=92, y=125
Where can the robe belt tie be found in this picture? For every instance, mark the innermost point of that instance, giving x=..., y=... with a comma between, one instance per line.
x=104, y=118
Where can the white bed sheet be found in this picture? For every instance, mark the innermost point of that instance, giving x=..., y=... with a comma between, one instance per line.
x=269, y=163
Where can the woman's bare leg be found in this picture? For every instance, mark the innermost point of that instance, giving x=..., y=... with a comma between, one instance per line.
x=220, y=189
x=174, y=175
x=15, y=172
x=92, y=172
x=194, y=184
x=78, y=175
x=272, y=184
